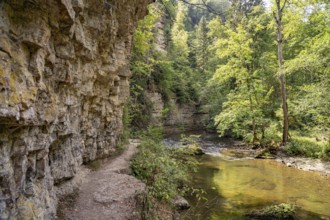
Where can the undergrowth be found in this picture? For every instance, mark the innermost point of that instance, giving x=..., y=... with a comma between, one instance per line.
x=164, y=170
x=308, y=147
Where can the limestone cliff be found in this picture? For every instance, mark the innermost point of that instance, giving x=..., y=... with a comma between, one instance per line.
x=173, y=116
x=63, y=82
x=177, y=117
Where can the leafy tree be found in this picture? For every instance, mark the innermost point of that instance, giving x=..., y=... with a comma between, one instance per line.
x=240, y=49
x=202, y=44
x=248, y=89
x=180, y=49
x=143, y=66
x=278, y=16
x=308, y=68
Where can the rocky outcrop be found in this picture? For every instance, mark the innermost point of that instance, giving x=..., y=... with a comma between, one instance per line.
x=187, y=116
x=63, y=83
x=172, y=115
x=177, y=116
x=157, y=111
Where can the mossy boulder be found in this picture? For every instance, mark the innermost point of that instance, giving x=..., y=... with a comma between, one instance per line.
x=274, y=212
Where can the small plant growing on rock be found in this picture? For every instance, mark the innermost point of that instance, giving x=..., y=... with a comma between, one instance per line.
x=282, y=211
x=191, y=145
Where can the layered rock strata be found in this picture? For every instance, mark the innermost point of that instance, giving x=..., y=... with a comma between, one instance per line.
x=63, y=83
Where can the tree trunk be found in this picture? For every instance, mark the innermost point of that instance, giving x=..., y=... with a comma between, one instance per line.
x=278, y=19
x=253, y=122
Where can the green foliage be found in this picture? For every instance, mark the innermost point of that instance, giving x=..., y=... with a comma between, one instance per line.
x=190, y=145
x=143, y=35
x=281, y=211
x=201, y=45
x=163, y=169
x=180, y=48
x=308, y=147
x=272, y=134
x=245, y=111
x=126, y=119
x=326, y=151
x=217, y=7
x=245, y=101
x=229, y=65
x=166, y=72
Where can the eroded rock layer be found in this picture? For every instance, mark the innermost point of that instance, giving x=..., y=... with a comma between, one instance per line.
x=63, y=83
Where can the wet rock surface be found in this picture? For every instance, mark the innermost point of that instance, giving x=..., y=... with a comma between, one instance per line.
x=306, y=164
x=63, y=83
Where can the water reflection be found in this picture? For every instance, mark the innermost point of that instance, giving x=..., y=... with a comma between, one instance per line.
x=236, y=186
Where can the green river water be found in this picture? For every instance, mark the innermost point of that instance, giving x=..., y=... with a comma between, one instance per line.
x=234, y=187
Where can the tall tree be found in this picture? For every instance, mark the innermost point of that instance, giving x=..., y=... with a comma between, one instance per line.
x=242, y=8
x=202, y=44
x=307, y=67
x=180, y=35
x=278, y=16
x=243, y=52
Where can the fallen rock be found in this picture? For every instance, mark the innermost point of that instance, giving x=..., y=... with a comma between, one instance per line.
x=181, y=203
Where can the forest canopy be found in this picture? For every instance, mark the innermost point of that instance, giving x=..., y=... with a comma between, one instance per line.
x=259, y=68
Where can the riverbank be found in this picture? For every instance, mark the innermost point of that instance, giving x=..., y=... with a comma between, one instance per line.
x=302, y=163
x=232, y=149
x=306, y=164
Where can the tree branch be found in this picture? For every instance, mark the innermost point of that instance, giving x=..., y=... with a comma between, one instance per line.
x=203, y=6
x=275, y=17
x=285, y=1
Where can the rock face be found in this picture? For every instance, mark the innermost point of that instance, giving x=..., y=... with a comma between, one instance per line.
x=177, y=117
x=188, y=116
x=172, y=115
x=156, y=100
x=63, y=82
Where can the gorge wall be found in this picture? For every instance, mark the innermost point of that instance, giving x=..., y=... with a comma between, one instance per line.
x=178, y=117
x=63, y=83
x=173, y=116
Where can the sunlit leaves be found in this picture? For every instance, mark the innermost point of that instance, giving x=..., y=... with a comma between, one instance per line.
x=246, y=65
x=180, y=35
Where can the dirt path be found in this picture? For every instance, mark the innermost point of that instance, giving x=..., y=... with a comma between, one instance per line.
x=109, y=193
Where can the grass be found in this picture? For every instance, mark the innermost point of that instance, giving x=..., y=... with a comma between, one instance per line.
x=308, y=147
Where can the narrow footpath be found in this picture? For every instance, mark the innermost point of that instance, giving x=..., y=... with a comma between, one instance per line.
x=109, y=192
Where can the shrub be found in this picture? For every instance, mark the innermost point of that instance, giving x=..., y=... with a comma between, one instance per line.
x=163, y=169
x=304, y=146
x=326, y=152
x=272, y=134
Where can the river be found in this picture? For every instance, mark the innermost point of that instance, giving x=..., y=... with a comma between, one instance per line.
x=236, y=186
